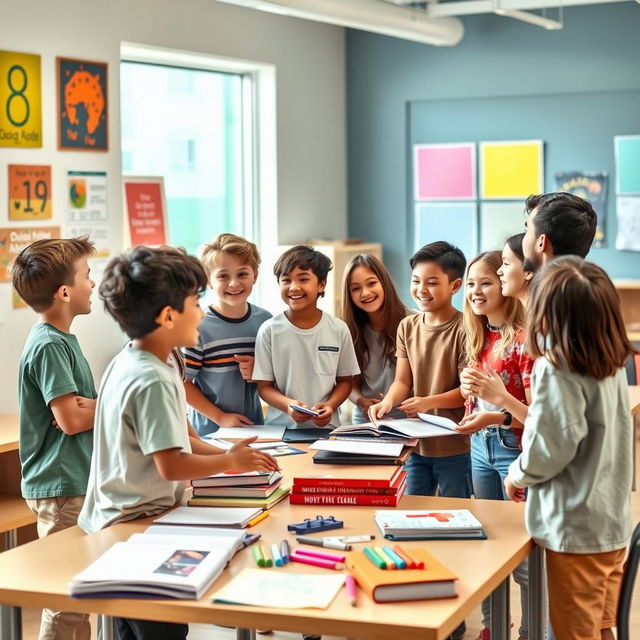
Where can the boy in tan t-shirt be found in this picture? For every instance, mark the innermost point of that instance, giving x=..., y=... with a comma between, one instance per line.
x=430, y=352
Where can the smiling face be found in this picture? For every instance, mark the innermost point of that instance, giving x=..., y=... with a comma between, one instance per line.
x=300, y=289
x=483, y=292
x=431, y=288
x=513, y=278
x=366, y=290
x=232, y=282
x=80, y=291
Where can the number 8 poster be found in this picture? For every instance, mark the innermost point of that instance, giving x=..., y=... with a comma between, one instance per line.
x=20, y=100
x=29, y=192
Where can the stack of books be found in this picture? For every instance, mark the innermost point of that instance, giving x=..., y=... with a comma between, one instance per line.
x=381, y=486
x=259, y=489
x=429, y=524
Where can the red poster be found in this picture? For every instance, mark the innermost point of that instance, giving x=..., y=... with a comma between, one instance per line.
x=146, y=211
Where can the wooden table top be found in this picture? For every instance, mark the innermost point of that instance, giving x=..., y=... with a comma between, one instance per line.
x=37, y=574
x=9, y=432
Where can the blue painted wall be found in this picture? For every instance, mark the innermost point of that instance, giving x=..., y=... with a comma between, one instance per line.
x=597, y=51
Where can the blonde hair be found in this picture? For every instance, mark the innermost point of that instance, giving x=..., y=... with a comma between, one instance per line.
x=476, y=326
x=393, y=309
x=574, y=316
x=244, y=251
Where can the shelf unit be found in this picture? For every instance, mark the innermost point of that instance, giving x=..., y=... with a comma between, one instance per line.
x=629, y=292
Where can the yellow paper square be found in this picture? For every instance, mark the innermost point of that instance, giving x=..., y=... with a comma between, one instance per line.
x=512, y=169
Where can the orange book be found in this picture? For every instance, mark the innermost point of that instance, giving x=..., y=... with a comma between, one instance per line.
x=384, y=585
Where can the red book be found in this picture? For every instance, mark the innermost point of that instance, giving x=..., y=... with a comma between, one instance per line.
x=335, y=475
x=336, y=500
x=372, y=491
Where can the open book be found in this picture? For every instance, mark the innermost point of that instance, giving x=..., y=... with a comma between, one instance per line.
x=426, y=426
x=158, y=565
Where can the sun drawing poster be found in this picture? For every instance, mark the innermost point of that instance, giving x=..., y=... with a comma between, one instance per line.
x=82, y=105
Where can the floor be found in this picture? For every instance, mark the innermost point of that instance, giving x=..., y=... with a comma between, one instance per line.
x=208, y=632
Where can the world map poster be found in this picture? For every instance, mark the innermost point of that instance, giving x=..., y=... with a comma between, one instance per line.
x=82, y=105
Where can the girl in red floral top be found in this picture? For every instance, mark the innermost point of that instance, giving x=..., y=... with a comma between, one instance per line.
x=495, y=347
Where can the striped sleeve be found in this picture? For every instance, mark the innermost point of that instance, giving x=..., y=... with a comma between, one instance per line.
x=193, y=357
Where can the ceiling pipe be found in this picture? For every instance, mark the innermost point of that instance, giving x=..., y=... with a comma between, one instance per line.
x=368, y=15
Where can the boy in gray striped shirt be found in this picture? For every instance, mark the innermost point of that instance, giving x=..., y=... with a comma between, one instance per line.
x=219, y=369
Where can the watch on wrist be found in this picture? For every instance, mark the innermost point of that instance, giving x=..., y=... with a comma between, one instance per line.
x=508, y=419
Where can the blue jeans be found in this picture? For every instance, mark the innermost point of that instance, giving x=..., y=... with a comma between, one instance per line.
x=448, y=474
x=492, y=451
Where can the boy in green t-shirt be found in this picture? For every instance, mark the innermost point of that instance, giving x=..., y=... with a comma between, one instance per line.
x=57, y=398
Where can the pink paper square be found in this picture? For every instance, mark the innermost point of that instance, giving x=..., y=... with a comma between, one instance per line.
x=445, y=172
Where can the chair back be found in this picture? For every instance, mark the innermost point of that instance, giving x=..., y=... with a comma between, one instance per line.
x=628, y=581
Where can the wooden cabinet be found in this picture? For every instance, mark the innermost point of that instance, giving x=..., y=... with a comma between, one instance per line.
x=629, y=292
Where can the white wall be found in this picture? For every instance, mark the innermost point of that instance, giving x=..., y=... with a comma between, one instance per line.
x=311, y=149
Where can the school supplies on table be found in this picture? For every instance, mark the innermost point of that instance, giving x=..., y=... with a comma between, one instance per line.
x=236, y=518
x=316, y=554
x=258, y=491
x=383, y=585
x=313, y=525
x=351, y=590
x=426, y=426
x=316, y=562
x=281, y=590
x=336, y=457
x=235, y=479
x=349, y=539
x=429, y=524
x=266, y=502
x=359, y=447
x=265, y=432
x=157, y=565
x=305, y=434
x=345, y=477
x=324, y=542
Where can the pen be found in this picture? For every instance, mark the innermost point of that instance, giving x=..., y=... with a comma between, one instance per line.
x=350, y=586
x=257, y=555
x=399, y=562
x=373, y=556
x=391, y=565
x=257, y=519
x=250, y=538
x=349, y=539
x=321, y=542
x=277, y=558
x=316, y=562
x=410, y=562
x=268, y=562
x=323, y=556
x=284, y=551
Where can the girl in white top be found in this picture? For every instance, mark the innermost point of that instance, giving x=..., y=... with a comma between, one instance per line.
x=372, y=309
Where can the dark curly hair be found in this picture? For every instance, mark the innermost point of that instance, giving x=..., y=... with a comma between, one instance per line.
x=140, y=282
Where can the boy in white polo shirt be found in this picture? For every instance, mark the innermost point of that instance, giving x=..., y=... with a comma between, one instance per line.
x=304, y=356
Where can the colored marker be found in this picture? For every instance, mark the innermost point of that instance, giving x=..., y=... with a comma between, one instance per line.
x=316, y=554
x=257, y=555
x=277, y=558
x=285, y=551
x=322, y=542
x=399, y=562
x=316, y=562
x=391, y=565
x=373, y=556
x=418, y=563
x=410, y=562
x=268, y=562
x=250, y=538
x=350, y=586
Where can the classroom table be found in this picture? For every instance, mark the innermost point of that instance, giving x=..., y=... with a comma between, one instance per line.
x=37, y=575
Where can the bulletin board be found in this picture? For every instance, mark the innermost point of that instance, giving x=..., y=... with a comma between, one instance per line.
x=578, y=131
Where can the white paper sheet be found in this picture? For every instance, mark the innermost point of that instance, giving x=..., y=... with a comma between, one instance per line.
x=280, y=590
x=359, y=447
x=263, y=431
x=628, y=211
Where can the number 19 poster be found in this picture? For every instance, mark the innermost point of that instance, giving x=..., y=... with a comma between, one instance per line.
x=20, y=100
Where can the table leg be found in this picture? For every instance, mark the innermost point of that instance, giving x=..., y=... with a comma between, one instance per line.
x=537, y=595
x=10, y=617
x=500, y=618
x=245, y=634
x=107, y=628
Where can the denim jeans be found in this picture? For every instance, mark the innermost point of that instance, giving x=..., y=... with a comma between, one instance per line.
x=449, y=474
x=493, y=449
x=131, y=629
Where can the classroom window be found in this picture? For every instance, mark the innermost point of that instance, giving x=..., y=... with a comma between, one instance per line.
x=193, y=128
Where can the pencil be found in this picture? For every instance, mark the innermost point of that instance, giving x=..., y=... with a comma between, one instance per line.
x=350, y=586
